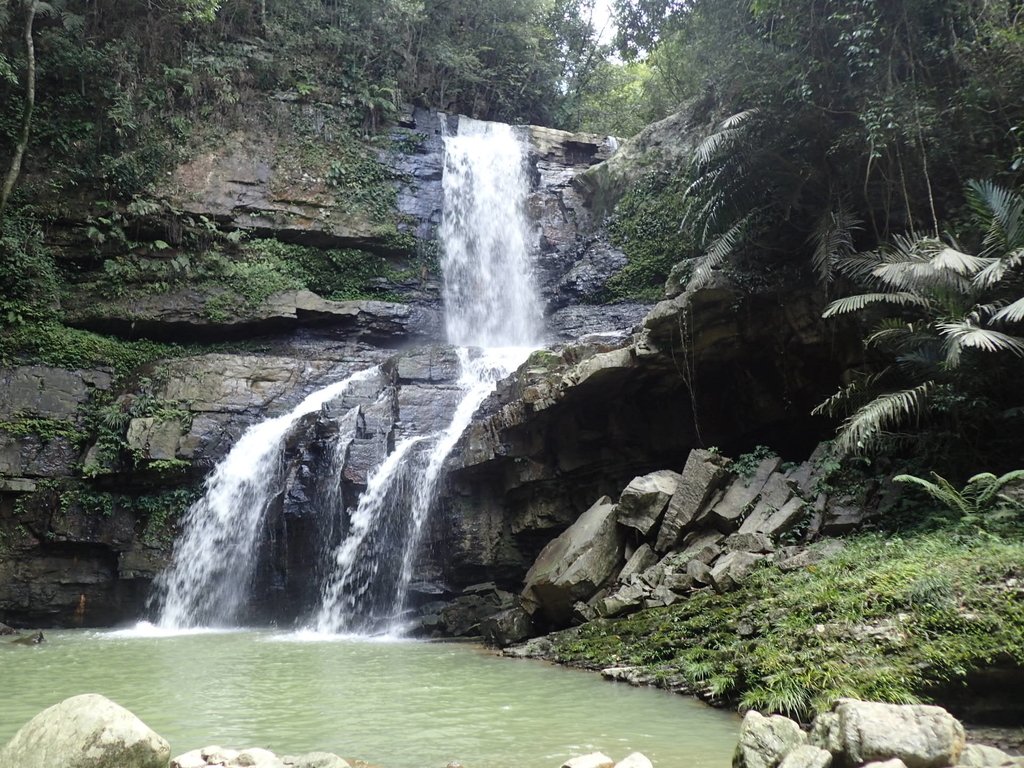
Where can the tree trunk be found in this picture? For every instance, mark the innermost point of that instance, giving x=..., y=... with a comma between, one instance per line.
x=26, y=115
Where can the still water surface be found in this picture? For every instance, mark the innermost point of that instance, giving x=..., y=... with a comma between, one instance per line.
x=396, y=704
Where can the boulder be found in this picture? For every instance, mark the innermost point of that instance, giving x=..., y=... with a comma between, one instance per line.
x=5, y=630
x=626, y=599
x=699, y=571
x=750, y=542
x=315, y=760
x=661, y=596
x=981, y=756
x=731, y=569
x=894, y=763
x=774, y=522
x=921, y=736
x=513, y=625
x=639, y=561
x=773, y=497
x=765, y=741
x=635, y=760
x=575, y=565
x=825, y=733
x=254, y=757
x=593, y=760
x=645, y=498
x=740, y=494
x=87, y=731
x=705, y=546
x=702, y=476
x=807, y=756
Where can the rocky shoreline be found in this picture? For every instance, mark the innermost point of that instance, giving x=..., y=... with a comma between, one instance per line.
x=90, y=731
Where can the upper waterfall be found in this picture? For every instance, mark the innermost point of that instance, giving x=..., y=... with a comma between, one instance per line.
x=488, y=239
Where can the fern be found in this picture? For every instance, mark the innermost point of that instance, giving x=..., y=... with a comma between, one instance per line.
x=980, y=498
x=716, y=254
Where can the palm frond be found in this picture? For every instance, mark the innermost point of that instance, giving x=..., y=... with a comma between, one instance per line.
x=833, y=241
x=850, y=397
x=961, y=263
x=962, y=335
x=997, y=270
x=920, y=275
x=892, y=409
x=850, y=304
x=1014, y=313
x=1001, y=213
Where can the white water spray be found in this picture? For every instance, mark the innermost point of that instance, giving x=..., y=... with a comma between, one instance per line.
x=490, y=303
x=489, y=294
x=207, y=582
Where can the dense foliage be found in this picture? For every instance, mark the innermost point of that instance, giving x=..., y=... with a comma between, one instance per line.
x=844, y=135
x=887, y=619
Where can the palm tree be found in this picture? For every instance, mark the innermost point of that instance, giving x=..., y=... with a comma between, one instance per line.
x=944, y=329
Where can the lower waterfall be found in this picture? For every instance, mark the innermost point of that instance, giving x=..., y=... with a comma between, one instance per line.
x=494, y=319
x=212, y=567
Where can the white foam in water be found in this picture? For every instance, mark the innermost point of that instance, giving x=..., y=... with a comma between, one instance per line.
x=146, y=629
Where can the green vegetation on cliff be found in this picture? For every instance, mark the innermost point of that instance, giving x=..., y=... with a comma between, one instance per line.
x=889, y=618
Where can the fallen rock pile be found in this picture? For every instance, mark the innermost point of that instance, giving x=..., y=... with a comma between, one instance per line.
x=670, y=533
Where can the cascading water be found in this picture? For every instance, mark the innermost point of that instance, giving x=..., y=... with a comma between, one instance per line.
x=488, y=239
x=491, y=305
x=493, y=316
x=208, y=579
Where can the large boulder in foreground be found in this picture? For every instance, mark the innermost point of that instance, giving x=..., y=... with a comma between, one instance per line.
x=765, y=741
x=576, y=565
x=87, y=731
x=920, y=735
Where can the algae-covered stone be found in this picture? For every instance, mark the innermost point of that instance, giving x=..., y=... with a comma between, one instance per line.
x=87, y=731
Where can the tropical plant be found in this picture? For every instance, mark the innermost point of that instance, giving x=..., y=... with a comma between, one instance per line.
x=943, y=330
x=980, y=502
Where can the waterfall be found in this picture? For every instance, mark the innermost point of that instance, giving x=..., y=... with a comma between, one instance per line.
x=208, y=580
x=491, y=306
x=493, y=316
x=488, y=239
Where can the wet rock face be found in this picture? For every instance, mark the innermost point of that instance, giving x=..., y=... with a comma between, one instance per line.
x=571, y=426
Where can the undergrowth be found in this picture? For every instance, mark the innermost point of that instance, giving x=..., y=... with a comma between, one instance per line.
x=51, y=343
x=886, y=619
x=646, y=227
